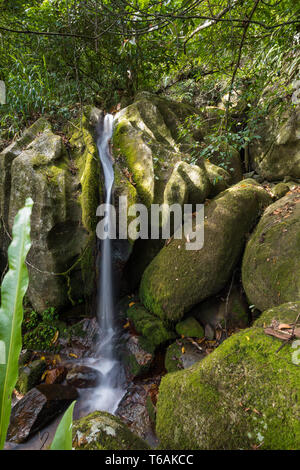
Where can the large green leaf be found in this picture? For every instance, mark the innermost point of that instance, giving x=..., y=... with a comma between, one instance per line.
x=63, y=436
x=13, y=289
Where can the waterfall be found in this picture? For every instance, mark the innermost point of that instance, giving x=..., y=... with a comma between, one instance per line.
x=111, y=389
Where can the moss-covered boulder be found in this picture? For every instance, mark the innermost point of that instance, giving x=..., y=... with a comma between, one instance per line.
x=189, y=327
x=277, y=153
x=138, y=355
x=65, y=188
x=149, y=326
x=103, y=431
x=177, y=279
x=280, y=190
x=271, y=263
x=244, y=395
x=219, y=178
x=284, y=313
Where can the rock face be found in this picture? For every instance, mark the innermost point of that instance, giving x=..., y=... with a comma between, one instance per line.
x=277, y=153
x=103, y=431
x=271, y=263
x=177, y=279
x=64, y=186
x=242, y=396
x=37, y=408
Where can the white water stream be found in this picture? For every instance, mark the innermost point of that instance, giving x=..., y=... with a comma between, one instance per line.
x=111, y=389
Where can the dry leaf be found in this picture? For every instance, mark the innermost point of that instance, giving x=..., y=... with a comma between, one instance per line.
x=131, y=304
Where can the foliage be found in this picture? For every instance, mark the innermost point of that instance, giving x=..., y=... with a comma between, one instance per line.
x=57, y=55
x=13, y=289
x=40, y=330
x=63, y=436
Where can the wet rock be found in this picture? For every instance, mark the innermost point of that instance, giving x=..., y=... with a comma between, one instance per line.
x=135, y=408
x=83, y=377
x=30, y=376
x=182, y=354
x=81, y=339
x=37, y=408
x=103, y=431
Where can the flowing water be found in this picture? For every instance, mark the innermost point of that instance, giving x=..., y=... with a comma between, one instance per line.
x=111, y=389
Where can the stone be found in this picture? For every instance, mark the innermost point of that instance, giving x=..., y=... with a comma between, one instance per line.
x=280, y=190
x=37, y=408
x=103, y=431
x=271, y=262
x=83, y=377
x=138, y=356
x=177, y=279
x=244, y=395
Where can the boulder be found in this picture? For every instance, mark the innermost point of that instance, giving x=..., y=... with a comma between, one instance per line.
x=244, y=395
x=280, y=190
x=65, y=187
x=103, y=431
x=177, y=279
x=219, y=178
x=271, y=262
x=37, y=408
x=277, y=153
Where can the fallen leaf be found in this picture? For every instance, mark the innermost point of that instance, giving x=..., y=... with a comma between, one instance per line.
x=73, y=355
x=131, y=304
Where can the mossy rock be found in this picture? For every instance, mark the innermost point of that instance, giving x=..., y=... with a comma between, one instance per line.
x=277, y=153
x=138, y=355
x=280, y=190
x=244, y=395
x=219, y=178
x=30, y=376
x=229, y=159
x=149, y=326
x=284, y=313
x=189, y=327
x=271, y=263
x=102, y=431
x=177, y=278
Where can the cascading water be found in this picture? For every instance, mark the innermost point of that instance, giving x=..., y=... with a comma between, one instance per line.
x=108, y=394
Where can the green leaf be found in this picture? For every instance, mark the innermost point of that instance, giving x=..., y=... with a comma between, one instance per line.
x=63, y=436
x=13, y=289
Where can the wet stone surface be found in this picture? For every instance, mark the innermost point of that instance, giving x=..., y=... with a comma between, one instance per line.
x=37, y=408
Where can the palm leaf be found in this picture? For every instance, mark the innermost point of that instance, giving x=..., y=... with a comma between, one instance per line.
x=13, y=289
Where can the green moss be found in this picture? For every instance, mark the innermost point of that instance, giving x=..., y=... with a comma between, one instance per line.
x=189, y=327
x=151, y=409
x=85, y=153
x=172, y=358
x=245, y=394
x=149, y=326
x=134, y=154
x=177, y=279
x=280, y=190
x=103, y=431
x=284, y=313
x=271, y=263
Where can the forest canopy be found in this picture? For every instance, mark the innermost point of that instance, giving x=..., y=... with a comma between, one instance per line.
x=56, y=54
